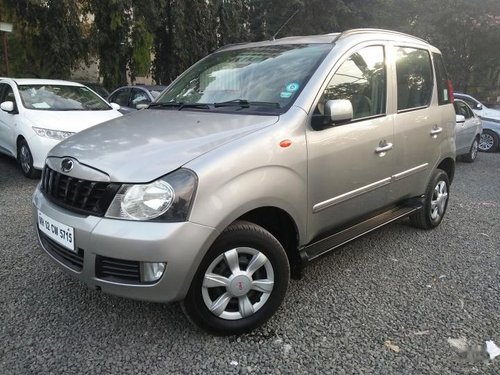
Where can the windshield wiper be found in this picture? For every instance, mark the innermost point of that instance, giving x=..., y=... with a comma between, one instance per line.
x=179, y=105
x=245, y=104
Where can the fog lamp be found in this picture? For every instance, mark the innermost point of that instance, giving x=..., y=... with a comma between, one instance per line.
x=152, y=271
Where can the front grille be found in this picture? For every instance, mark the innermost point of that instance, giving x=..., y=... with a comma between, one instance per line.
x=118, y=270
x=74, y=194
x=67, y=257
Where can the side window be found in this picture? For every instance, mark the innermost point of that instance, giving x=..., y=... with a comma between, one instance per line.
x=121, y=97
x=462, y=109
x=470, y=102
x=441, y=80
x=361, y=79
x=414, y=78
x=139, y=97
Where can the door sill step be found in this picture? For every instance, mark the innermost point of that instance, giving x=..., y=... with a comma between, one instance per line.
x=329, y=243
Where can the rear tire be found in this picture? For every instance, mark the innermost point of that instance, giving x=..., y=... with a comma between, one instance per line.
x=488, y=141
x=240, y=282
x=25, y=160
x=471, y=156
x=435, y=202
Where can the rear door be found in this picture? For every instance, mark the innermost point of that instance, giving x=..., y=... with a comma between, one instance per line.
x=418, y=125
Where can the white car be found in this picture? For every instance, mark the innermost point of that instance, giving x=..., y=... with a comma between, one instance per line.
x=468, y=131
x=479, y=108
x=36, y=114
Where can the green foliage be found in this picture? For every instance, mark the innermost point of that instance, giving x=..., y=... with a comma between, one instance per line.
x=39, y=46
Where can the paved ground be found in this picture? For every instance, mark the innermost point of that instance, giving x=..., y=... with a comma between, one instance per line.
x=384, y=304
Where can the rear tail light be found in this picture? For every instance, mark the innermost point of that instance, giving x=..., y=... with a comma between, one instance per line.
x=450, y=91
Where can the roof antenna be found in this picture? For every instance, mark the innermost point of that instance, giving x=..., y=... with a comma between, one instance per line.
x=285, y=23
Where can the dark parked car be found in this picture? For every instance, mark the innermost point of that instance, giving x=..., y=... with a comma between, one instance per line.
x=97, y=87
x=128, y=97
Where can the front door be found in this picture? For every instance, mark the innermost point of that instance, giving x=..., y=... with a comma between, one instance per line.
x=7, y=121
x=348, y=174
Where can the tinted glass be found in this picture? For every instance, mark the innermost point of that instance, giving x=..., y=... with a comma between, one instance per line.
x=61, y=98
x=462, y=109
x=269, y=74
x=441, y=80
x=139, y=97
x=414, y=77
x=121, y=97
x=361, y=79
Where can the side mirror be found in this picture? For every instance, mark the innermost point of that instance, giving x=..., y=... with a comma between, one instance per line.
x=115, y=106
x=339, y=110
x=460, y=119
x=335, y=112
x=479, y=106
x=8, y=107
x=142, y=106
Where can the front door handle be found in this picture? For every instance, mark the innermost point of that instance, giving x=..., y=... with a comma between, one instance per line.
x=383, y=148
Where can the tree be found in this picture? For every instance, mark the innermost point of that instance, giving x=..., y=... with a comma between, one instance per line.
x=40, y=46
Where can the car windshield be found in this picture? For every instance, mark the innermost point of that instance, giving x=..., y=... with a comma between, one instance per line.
x=262, y=79
x=61, y=98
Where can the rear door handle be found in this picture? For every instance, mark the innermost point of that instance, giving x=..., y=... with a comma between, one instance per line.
x=435, y=131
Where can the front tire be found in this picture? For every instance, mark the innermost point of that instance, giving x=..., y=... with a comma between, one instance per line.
x=240, y=282
x=25, y=160
x=435, y=202
x=471, y=156
x=489, y=141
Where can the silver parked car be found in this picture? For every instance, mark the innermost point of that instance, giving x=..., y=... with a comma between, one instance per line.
x=257, y=159
x=468, y=130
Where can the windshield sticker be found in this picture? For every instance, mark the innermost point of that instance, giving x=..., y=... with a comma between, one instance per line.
x=292, y=87
x=286, y=94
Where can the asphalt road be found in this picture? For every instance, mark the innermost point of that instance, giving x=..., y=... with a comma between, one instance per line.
x=387, y=303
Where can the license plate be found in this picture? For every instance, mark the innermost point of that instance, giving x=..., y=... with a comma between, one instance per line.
x=61, y=233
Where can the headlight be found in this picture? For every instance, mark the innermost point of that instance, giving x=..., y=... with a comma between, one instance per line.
x=53, y=134
x=166, y=199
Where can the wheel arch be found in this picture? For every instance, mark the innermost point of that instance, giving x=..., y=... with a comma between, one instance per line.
x=282, y=226
x=448, y=165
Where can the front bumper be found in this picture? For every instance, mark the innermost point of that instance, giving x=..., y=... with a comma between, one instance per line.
x=180, y=245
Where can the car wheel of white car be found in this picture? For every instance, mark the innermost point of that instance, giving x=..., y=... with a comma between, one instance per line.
x=435, y=202
x=472, y=154
x=489, y=141
x=25, y=160
x=240, y=283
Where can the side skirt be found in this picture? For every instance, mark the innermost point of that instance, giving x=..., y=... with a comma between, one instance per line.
x=324, y=245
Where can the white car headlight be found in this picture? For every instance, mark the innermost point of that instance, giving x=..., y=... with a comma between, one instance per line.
x=166, y=199
x=52, y=134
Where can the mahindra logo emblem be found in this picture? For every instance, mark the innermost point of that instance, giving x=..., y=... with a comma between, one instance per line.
x=66, y=165
x=240, y=285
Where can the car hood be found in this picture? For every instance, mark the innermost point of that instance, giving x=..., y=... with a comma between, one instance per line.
x=489, y=113
x=148, y=144
x=70, y=121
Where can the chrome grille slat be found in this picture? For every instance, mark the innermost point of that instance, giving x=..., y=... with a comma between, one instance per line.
x=82, y=196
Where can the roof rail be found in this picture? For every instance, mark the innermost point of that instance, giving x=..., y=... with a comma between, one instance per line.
x=370, y=30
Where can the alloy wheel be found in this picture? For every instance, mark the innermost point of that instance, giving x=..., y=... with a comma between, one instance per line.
x=486, y=142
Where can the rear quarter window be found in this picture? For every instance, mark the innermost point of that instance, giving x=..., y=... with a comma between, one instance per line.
x=441, y=80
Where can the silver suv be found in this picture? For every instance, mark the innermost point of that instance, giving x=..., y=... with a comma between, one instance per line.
x=257, y=159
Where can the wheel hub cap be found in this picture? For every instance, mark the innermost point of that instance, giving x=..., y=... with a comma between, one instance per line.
x=237, y=283
x=439, y=199
x=240, y=285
